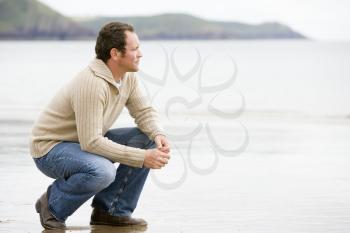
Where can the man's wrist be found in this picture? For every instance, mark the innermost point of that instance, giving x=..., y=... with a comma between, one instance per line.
x=159, y=134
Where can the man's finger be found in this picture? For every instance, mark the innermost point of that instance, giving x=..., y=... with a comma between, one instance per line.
x=160, y=163
x=165, y=149
x=167, y=156
x=166, y=144
x=163, y=160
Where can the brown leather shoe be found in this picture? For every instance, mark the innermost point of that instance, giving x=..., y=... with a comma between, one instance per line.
x=100, y=217
x=47, y=220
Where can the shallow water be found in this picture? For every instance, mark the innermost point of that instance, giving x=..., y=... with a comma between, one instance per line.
x=293, y=177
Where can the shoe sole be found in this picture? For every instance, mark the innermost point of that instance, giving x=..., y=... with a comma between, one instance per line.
x=118, y=225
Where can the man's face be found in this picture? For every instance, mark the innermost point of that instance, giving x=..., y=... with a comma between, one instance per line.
x=130, y=60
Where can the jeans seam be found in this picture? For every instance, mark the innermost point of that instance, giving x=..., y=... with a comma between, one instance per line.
x=114, y=203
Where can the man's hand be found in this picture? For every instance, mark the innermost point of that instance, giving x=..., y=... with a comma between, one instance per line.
x=155, y=158
x=162, y=143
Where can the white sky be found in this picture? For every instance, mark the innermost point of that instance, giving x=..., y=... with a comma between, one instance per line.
x=319, y=19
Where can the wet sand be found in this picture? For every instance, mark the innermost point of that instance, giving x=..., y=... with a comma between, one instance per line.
x=293, y=177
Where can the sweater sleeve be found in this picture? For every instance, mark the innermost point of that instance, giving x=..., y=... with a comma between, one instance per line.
x=146, y=117
x=88, y=102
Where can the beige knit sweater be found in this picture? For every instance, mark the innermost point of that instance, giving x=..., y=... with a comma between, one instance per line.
x=85, y=109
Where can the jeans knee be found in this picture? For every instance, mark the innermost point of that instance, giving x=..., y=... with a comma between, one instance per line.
x=141, y=140
x=103, y=176
x=151, y=145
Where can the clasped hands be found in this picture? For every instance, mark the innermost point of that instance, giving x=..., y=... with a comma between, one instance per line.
x=158, y=157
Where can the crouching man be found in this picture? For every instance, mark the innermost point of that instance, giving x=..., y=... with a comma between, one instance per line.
x=72, y=142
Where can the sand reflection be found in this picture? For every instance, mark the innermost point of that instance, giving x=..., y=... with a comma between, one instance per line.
x=99, y=229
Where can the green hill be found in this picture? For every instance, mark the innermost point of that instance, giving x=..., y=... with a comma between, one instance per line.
x=182, y=26
x=30, y=19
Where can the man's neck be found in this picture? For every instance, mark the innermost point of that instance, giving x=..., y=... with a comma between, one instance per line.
x=116, y=72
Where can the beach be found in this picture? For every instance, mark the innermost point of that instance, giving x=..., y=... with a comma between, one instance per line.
x=280, y=165
x=293, y=178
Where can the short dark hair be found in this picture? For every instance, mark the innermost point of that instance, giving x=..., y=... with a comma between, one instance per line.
x=112, y=35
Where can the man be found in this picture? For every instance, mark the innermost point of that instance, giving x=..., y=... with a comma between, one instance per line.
x=71, y=143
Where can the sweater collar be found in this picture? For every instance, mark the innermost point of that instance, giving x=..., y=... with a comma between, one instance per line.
x=101, y=70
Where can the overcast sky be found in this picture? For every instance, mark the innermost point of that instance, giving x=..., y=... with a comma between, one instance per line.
x=319, y=19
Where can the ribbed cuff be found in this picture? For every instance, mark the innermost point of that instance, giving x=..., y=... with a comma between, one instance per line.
x=153, y=135
x=136, y=155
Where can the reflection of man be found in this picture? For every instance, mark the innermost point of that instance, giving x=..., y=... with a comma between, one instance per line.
x=71, y=142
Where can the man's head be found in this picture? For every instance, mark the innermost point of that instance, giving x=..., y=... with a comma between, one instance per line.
x=117, y=43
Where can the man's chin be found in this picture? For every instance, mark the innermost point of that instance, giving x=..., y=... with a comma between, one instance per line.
x=135, y=69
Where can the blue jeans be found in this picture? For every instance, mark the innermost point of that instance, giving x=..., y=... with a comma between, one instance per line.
x=80, y=175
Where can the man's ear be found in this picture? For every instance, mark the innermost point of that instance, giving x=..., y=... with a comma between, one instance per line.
x=115, y=54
